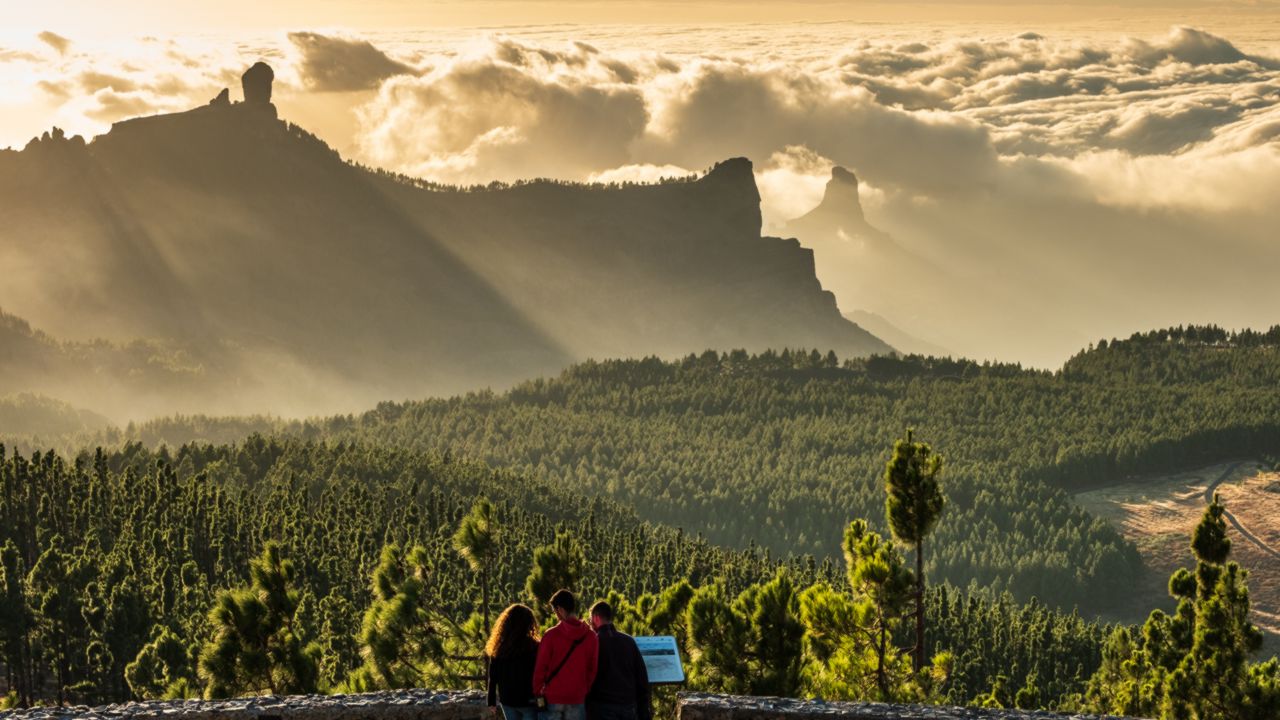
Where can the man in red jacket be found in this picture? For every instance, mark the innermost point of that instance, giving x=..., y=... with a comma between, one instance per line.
x=566, y=665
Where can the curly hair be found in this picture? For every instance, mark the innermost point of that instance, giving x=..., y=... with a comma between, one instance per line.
x=515, y=630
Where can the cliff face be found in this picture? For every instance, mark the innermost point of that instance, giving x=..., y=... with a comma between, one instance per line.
x=236, y=235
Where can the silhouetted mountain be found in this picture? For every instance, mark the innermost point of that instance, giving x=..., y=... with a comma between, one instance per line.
x=840, y=210
x=286, y=273
x=36, y=416
x=866, y=268
x=944, y=286
x=895, y=336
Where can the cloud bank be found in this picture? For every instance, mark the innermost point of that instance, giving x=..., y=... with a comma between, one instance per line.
x=339, y=64
x=1106, y=183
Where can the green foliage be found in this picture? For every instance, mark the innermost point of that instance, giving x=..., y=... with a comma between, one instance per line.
x=55, y=587
x=476, y=541
x=913, y=507
x=752, y=645
x=558, y=566
x=717, y=636
x=256, y=647
x=401, y=634
x=1193, y=665
x=201, y=511
x=914, y=499
x=163, y=668
x=779, y=450
x=140, y=533
x=16, y=624
x=339, y=645
x=852, y=639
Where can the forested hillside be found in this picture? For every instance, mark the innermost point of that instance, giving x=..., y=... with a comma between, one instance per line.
x=101, y=549
x=780, y=449
x=114, y=564
x=773, y=454
x=32, y=417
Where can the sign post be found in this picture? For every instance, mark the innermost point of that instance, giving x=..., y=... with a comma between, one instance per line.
x=661, y=659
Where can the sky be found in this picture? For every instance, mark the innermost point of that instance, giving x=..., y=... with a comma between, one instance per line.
x=1115, y=165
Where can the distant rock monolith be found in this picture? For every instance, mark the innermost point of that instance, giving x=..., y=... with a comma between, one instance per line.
x=256, y=82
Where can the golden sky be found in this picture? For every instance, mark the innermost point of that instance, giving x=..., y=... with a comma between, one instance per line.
x=132, y=16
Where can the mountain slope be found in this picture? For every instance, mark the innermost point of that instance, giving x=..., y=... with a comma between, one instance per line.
x=320, y=285
x=890, y=333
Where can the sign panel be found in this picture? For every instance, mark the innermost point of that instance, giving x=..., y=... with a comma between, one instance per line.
x=661, y=659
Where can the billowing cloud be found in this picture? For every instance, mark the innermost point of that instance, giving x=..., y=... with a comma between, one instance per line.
x=720, y=109
x=1100, y=183
x=341, y=64
x=643, y=174
x=505, y=112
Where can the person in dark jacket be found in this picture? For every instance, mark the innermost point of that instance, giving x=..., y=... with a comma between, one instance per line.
x=512, y=651
x=621, y=689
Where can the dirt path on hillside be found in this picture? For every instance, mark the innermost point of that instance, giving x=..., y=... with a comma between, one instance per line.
x=1159, y=515
x=1208, y=499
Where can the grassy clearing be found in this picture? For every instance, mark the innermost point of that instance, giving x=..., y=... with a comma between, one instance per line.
x=1159, y=513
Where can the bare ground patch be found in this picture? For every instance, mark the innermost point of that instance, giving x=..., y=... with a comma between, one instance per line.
x=1158, y=515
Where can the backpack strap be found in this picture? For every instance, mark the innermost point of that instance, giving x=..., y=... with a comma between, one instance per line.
x=563, y=660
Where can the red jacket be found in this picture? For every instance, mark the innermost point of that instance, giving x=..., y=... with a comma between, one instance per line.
x=571, y=685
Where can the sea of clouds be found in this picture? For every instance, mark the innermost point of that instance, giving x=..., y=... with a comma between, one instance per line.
x=1109, y=182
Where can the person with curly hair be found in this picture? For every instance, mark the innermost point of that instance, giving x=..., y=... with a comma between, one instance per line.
x=512, y=651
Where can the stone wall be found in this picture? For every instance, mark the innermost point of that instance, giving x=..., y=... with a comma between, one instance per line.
x=699, y=706
x=469, y=705
x=394, y=705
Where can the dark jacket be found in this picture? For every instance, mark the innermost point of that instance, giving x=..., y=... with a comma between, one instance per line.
x=570, y=685
x=621, y=677
x=511, y=678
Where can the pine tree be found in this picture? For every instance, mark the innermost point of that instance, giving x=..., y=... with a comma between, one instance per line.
x=16, y=623
x=256, y=647
x=162, y=669
x=556, y=566
x=882, y=584
x=400, y=636
x=476, y=541
x=718, y=635
x=913, y=507
x=55, y=585
x=339, y=647
x=752, y=645
x=1193, y=665
x=777, y=635
x=667, y=616
x=852, y=638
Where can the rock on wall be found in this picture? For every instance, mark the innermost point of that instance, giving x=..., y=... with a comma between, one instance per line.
x=699, y=706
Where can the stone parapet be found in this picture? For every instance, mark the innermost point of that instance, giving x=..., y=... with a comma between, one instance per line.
x=392, y=705
x=700, y=706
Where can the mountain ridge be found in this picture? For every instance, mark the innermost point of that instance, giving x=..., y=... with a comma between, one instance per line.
x=246, y=238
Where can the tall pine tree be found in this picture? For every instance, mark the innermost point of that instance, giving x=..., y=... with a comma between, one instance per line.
x=913, y=506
